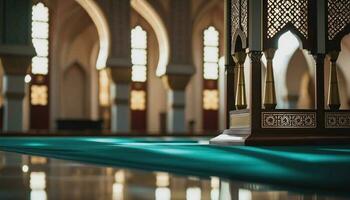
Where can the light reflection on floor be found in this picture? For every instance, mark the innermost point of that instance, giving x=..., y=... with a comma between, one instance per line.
x=38, y=178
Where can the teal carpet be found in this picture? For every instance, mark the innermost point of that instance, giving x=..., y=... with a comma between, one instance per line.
x=325, y=168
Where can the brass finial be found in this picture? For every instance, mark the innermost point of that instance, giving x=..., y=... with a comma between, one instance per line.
x=333, y=90
x=241, y=100
x=270, y=93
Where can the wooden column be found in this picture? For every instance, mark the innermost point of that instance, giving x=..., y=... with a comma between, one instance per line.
x=229, y=64
x=255, y=54
x=241, y=98
x=256, y=93
x=319, y=57
x=333, y=89
x=320, y=96
x=270, y=102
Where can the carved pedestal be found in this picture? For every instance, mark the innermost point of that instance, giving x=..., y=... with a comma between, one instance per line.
x=286, y=127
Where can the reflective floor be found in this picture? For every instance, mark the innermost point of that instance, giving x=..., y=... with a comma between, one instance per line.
x=39, y=178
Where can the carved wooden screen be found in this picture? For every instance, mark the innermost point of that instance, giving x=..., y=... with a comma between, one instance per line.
x=283, y=15
x=338, y=22
x=239, y=21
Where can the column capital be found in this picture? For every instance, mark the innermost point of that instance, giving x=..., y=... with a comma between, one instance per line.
x=119, y=70
x=176, y=81
x=177, y=76
x=239, y=57
x=255, y=56
x=269, y=53
x=333, y=55
x=319, y=57
x=16, y=64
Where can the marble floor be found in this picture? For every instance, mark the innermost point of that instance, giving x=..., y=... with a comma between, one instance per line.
x=40, y=178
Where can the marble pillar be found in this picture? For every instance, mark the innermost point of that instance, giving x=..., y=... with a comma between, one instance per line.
x=176, y=112
x=120, y=94
x=119, y=62
x=120, y=97
x=180, y=68
x=15, y=69
x=16, y=51
x=176, y=85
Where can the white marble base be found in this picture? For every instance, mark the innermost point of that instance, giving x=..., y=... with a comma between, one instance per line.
x=231, y=137
x=176, y=114
x=14, y=91
x=120, y=116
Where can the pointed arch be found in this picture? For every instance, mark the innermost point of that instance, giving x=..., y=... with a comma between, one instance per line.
x=153, y=18
x=292, y=29
x=103, y=31
x=74, y=98
x=239, y=41
x=297, y=79
x=291, y=62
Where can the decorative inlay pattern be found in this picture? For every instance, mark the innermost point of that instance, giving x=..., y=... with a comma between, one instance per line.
x=288, y=120
x=239, y=15
x=337, y=119
x=244, y=16
x=338, y=16
x=235, y=15
x=282, y=12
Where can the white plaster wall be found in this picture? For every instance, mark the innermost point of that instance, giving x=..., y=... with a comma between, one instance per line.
x=344, y=62
x=94, y=90
x=156, y=90
x=74, y=98
x=80, y=52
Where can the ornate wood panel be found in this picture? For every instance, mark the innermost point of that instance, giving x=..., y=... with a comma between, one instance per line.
x=337, y=120
x=283, y=15
x=239, y=21
x=338, y=21
x=288, y=120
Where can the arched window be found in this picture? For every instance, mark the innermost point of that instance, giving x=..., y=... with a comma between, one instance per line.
x=38, y=77
x=40, y=39
x=210, y=78
x=138, y=102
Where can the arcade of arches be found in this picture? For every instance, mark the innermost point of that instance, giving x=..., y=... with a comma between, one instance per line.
x=152, y=66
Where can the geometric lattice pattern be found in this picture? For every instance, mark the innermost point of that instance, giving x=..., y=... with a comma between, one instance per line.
x=282, y=12
x=235, y=14
x=288, y=120
x=244, y=16
x=337, y=120
x=338, y=16
x=239, y=15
